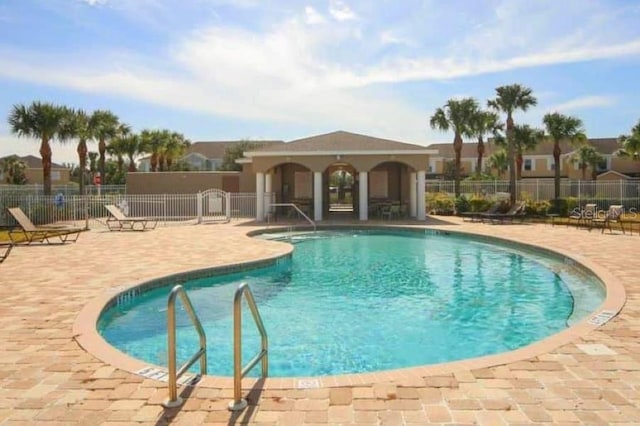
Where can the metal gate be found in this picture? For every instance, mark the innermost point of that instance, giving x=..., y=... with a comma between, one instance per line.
x=214, y=205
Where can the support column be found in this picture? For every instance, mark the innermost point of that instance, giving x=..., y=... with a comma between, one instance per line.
x=421, y=214
x=268, y=190
x=317, y=196
x=260, y=197
x=363, y=193
x=412, y=194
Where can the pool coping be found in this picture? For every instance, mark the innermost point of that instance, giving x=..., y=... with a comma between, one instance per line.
x=86, y=335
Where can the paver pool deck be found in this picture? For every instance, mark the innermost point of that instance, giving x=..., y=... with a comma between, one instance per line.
x=46, y=377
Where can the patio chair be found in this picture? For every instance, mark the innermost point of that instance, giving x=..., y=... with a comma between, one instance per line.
x=5, y=249
x=517, y=211
x=583, y=216
x=477, y=216
x=117, y=221
x=30, y=233
x=614, y=214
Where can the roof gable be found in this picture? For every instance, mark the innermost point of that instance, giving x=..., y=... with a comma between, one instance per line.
x=216, y=149
x=342, y=141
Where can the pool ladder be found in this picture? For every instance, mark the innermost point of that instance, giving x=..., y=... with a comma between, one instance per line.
x=239, y=372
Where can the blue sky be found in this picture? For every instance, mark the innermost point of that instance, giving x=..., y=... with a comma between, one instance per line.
x=233, y=69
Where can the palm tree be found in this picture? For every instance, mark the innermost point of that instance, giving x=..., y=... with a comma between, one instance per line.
x=525, y=139
x=631, y=143
x=457, y=115
x=105, y=124
x=509, y=99
x=42, y=121
x=587, y=156
x=561, y=127
x=499, y=161
x=93, y=163
x=78, y=125
x=131, y=147
x=484, y=122
x=174, y=148
x=117, y=145
x=13, y=170
x=153, y=142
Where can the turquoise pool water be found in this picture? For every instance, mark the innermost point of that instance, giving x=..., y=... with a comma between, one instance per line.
x=359, y=301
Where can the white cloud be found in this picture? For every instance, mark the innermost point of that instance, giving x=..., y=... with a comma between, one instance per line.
x=341, y=11
x=94, y=2
x=389, y=37
x=312, y=16
x=584, y=102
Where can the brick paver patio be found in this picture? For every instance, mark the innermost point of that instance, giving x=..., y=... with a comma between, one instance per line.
x=47, y=378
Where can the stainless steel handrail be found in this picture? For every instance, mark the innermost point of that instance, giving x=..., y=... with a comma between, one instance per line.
x=297, y=209
x=239, y=372
x=174, y=400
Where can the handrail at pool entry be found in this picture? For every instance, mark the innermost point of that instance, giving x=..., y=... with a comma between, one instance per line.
x=239, y=372
x=297, y=209
x=174, y=400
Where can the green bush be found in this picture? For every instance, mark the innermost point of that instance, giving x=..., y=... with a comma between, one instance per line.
x=462, y=204
x=563, y=206
x=440, y=203
x=537, y=208
x=479, y=203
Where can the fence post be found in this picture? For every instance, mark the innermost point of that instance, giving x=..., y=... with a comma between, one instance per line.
x=227, y=206
x=621, y=193
x=537, y=190
x=579, y=193
x=199, y=206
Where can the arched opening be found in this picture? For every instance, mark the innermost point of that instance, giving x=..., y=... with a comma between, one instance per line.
x=340, y=191
x=389, y=190
x=292, y=183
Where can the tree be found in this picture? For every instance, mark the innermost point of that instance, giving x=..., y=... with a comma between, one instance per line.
x=93, y=163
x=484, y=122
x=78, y=125
x=457, y=115
x=509, y=99
x=175, y=148
x=117, y=146
x=42, y=121
x=131, y=146
x=13, y=170
x=587, y=156
x=525, y=139
x=631, y=143
x=233, y=152
x=153, y=141
x=499, y=161
x=561, y=127
x=105, y=124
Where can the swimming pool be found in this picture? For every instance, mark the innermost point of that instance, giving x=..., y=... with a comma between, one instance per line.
x=360, y=301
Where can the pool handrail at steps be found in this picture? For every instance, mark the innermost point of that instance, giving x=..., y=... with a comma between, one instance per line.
x=239, y=372
x=297, y=209
x=174, y=400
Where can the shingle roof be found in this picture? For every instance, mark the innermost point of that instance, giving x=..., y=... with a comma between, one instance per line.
x=343, y=141
x=605, y=146
x=216, y=149
x=34, y=162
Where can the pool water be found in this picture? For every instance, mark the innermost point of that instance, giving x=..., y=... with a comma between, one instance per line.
x=361, y=301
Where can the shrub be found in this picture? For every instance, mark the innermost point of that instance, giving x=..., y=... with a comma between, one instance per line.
x=479, y=203
x=462, y=204
x=440, y=203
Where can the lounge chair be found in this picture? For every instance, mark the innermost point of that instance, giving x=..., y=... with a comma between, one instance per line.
x=515, y=212
x=614, y=214
x=5, y=249
x=117, y=221
x=30, y=233
x=477, y=216
x=584, y=216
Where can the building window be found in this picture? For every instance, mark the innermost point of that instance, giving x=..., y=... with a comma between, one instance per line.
x=528, y=164
x=603, y=166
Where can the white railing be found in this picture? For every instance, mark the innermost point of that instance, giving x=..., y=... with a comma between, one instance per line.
x=603, y=193
x=167, y=208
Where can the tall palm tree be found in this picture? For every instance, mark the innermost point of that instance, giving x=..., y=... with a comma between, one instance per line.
x=43, y=121
x=153, y=142
x=561, y=127
x=525, y=139
x=484, y=122
x=587, y=156
x=174, y=148
x=631, y=143
x=78, y=125
x=93, y=163
x=509, y=99
x=13, y=170
x=499, y=162
x=117, y=145
x=131, y=147
x=457, y=115
x=106, y=125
